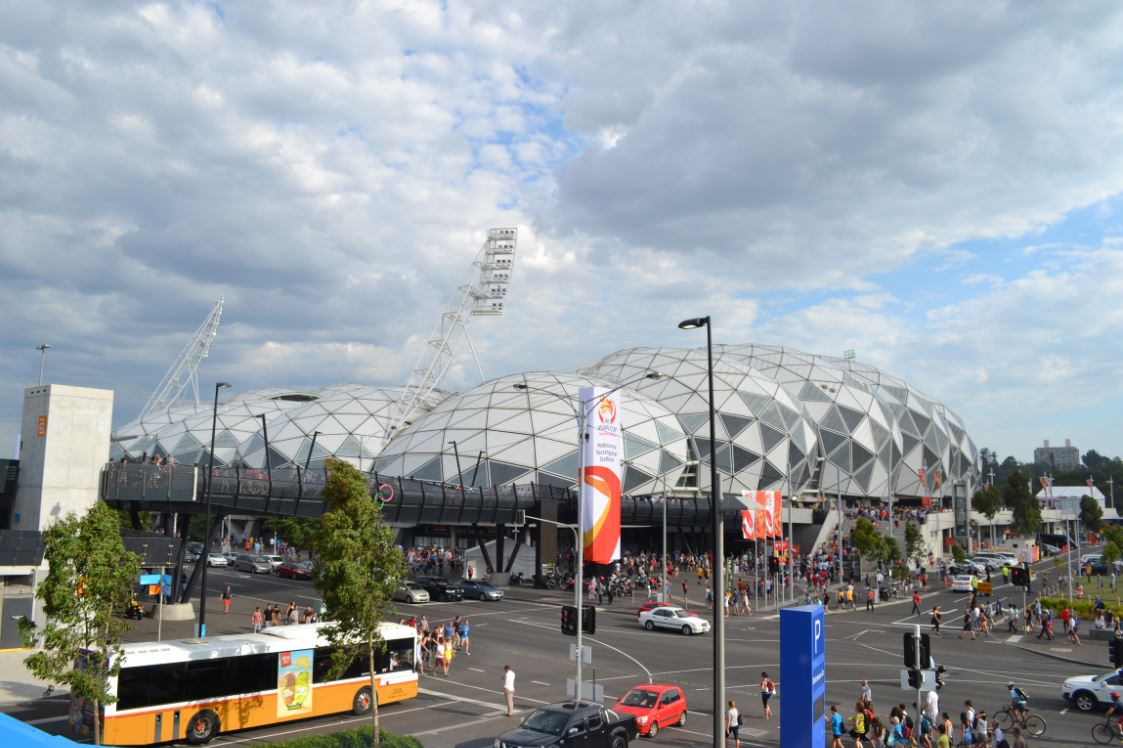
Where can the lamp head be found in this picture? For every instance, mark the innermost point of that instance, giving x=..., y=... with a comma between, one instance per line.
x=654, y=375
x=693, y=324
x=221, y=385
x=520, y=386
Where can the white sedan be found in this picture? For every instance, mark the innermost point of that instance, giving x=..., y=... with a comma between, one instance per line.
x=217, y=559
x=961, y=583
x=669, y=617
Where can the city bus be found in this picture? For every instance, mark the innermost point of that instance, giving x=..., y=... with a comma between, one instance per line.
x=193, y=689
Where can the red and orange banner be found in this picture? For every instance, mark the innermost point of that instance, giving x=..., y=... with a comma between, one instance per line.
x=601, y=480
x=748, y=525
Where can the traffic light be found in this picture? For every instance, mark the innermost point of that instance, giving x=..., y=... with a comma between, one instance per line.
x=1019, y=577
x=1115, y=651
x=773, y=564
x=910, y=651
x=916, y=678
x=588, y=620
x=569, y=620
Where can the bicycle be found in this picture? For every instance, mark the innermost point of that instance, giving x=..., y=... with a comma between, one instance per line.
x=1106, y=732
x=1033, y=724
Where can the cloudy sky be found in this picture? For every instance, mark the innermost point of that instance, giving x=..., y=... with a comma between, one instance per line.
x=936, y=186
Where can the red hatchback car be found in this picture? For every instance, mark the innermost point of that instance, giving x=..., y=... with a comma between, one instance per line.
x=295, y=570
x=655, y=706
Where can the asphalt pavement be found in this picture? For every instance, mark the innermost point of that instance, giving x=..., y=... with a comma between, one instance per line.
x=466, y=709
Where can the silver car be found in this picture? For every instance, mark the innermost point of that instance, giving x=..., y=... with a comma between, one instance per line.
x=411, y=592
x=252, y=564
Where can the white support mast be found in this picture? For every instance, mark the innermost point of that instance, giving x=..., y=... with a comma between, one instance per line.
x=483, y=294
x=183, y=372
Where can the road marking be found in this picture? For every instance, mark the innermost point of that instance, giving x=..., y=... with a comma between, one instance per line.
x=1064, y=711
x=47, y=720
x=477, y=670
x=1061, y=649
x=540, y=683
x=1013, y=639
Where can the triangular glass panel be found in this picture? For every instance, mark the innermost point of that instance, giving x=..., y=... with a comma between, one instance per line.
x=255, y=443
x=812, y=394
x=743, y=459
x=668, y=462
x=225, y=439
x=841, y=458
x=564, y=466
x=667, y=435
x=909, y=441
x=634, y=446
x=277, y=460
x=703, y=447
x=831, y=440
x=794, y=454
x=879, y=435
x=931, y=459
x=834, y=422
x=722, y=457
x=770, y=436
x=922, y=422
x=757, y=403
x=634, y=478
x=734, y=425
x=430, y=470
x=546, y=479
x=791, y=417
x=694, y=422
x=770, y=476
x=852, y=418
x=503, y=473
x=772, y=416
x=349, y=448
x=907, y=424
x=863, y=477
x=860, y=455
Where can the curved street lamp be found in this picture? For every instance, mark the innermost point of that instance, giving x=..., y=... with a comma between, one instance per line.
x=207, y=524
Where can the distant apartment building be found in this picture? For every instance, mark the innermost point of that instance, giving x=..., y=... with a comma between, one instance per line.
x=1057, y=458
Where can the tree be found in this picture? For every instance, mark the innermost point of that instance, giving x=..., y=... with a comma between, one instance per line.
x=90, y=579
x=1091, y=514
x=1110, y=553
x=865, y=538
x=914, y=544
x=296, y=531
x=958, y=553
x=1026, y=511
x=358, y=572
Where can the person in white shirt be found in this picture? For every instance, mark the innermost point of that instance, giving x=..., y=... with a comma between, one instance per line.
x=932, y=707
x=509, y=689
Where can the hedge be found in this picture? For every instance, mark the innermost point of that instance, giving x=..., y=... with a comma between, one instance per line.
x=357, y=738
x=1085, y=608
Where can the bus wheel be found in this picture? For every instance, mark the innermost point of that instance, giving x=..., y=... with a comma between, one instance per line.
x=361, y=704
x=202, y=728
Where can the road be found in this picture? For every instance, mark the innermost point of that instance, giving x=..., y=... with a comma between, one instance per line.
x=466, y=708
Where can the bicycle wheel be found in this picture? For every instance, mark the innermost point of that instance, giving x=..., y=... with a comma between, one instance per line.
x=1103, y=734
x=1004, y=720
x=1035, y=725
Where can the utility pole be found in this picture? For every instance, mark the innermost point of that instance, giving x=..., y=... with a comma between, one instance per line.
x=42, y=348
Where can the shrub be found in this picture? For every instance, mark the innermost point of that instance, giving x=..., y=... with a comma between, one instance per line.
x=357, y=738
x=1084, y=608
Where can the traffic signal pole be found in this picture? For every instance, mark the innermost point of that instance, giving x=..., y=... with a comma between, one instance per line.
x=923, y=666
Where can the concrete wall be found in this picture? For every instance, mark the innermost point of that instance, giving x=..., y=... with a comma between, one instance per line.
x=64, y=443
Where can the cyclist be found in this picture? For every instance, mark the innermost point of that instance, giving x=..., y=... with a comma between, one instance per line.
x=1116, y=710
x=1019, y=703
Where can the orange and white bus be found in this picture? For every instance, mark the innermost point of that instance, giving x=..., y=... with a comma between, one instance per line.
x=193, y=689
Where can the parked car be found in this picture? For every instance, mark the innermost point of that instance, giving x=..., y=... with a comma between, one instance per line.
x=961, y=583
x=1089, y=692
x=217, y=559
x=252, y=564
x=440, y=589
x=229, y=556
x=988, y=562
x=295, y=570
x=571, y=723
x=1048, y=549
x=473, y=588
x=968, y=567
x=671, y=617
x=654, y=705
x=190, y=556
x=652, y=604
x=273, y=559
x=411, y=592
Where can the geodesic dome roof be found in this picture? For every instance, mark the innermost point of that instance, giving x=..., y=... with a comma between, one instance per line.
x=505, y=435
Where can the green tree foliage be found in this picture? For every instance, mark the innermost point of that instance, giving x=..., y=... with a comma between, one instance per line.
x=987, y=501
x=1090, y=513
x=864, y=537
x=358, y=571
x=296, y=531
x=958, y=553
x=90, y=578
x=1026, y=511
x=1110, y=552
x=914, y=544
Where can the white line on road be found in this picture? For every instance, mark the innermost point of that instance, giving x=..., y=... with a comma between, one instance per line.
x=477, y=670
x=539, y=683
x=47, y=720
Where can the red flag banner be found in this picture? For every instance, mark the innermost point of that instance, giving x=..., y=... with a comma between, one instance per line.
x=763, y=524
x=748, y=526
x=1044, y=483
x=777, y=513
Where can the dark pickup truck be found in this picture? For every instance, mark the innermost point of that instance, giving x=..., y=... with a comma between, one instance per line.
x=585, y=724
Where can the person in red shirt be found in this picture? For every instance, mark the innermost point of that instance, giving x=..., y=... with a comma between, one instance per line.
x=916, y=603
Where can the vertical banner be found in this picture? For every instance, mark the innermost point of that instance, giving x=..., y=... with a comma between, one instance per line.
x=294, y=683
x=778, y=513
x=748, y=525
x=601, y=482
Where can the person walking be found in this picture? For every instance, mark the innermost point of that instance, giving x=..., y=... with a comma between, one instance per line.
x=257, y=620
x=866, y=694
x=767, y=691
x=837, y=727
x=916, y=602
x=509, y=689
x=936, y=616
x=869, y=599
x=227, y=593
x=733, y=724
x=465, y=643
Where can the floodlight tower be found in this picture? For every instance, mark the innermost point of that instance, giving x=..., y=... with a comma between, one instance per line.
x=482, y=294
x=184, y=372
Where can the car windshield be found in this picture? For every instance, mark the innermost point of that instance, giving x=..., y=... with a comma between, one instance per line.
x=639, y=697
x=547, y=721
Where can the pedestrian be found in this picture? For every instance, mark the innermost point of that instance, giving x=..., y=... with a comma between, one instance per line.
x=916, y=602
x=465, y=644
x=509, y=689
x=767, y=691
x=837, y=727
x=257, y=620
x=936, y=616
x=1018, y=741
x=227, y=593
x=733, y=724
x=867, y=693
x=869, y=599
x=684, y=600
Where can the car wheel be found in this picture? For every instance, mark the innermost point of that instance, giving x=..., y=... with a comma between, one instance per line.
x=483, y=598
x=1085, y=701
x=362, y=702
x=619, y=741
x=203, y=728
x=686, y=630
x=682, y=719
x=653, y=730
x=649, y=626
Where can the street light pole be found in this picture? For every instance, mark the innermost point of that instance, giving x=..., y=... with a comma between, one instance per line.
x=42, y=348
x=207, y=523
x=718, y=723
x=459, y=472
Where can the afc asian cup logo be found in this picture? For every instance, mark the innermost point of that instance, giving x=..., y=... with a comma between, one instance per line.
x=606, y=412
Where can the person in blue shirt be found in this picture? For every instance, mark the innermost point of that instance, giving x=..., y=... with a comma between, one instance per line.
x=837, y=727
x=1116, y=710
x=1019, y=703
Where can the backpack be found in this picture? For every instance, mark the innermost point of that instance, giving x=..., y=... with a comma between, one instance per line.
x=1022, y=694
x=770, y=686
x=738, y=719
